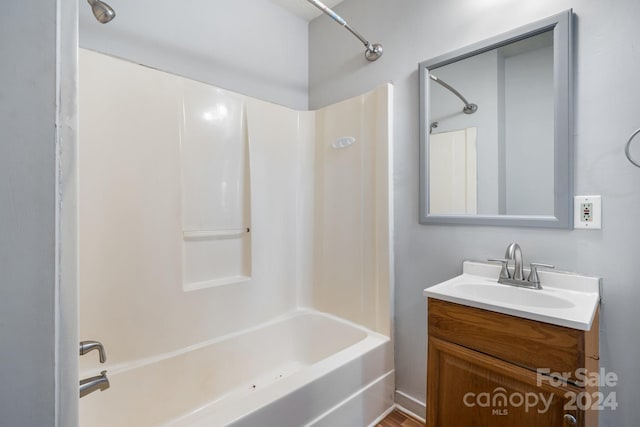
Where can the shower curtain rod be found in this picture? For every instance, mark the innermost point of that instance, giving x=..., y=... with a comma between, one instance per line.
x=374, y=50
x=468, y=107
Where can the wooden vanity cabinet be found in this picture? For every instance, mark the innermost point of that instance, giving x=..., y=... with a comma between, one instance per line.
x=482, y=370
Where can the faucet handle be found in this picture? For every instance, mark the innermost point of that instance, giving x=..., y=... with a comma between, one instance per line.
x=87, y=346
x=504, y=272
x=533, y=274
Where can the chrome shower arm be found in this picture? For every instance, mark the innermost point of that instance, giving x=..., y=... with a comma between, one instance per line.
x=364, y=41
x=374, y=50
x=469, y=108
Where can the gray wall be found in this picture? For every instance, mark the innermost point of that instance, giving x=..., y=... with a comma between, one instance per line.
x=37, y=112
x=605, y=45
x=252, y=47
x=528, y=100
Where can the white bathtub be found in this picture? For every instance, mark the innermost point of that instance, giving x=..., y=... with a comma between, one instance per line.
x=302, y=369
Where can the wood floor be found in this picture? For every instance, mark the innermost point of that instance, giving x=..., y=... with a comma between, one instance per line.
x=399, y=419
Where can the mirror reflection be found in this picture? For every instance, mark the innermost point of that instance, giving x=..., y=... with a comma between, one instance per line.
x=491, y=131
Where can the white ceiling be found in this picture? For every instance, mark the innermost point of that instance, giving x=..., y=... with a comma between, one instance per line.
x=303, y=8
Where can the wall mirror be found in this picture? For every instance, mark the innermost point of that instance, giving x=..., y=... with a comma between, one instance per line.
x=495, y=130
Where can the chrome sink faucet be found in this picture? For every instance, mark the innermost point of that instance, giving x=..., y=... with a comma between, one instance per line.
x=517, y=278
x=515, y=253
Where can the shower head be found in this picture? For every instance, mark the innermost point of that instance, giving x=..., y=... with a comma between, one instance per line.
x=102, y=11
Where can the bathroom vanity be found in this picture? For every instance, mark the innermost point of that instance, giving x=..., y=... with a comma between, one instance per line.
x=504, y=356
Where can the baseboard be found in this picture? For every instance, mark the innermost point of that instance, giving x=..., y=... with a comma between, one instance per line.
x=383, y=416
x=410, y=405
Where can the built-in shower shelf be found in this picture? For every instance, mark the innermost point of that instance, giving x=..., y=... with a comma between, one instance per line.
x=214, y=234
x=215, y=282
x=216, y=190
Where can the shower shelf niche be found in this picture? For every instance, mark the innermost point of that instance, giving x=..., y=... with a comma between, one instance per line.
x=216, y=242
x=213, y=234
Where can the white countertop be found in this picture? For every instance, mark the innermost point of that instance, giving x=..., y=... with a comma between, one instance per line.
x=566, y=299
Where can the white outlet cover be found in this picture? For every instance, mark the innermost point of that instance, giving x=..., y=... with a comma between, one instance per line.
x=596, y=213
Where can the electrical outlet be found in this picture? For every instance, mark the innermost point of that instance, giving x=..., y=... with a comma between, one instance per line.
x=588, y=212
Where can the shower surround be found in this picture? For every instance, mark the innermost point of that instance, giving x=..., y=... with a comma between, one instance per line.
x=231, y=247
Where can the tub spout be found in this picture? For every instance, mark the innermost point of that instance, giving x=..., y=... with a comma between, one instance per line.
x=89, y=385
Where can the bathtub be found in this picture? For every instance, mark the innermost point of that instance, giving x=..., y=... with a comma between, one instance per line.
x=302, y=369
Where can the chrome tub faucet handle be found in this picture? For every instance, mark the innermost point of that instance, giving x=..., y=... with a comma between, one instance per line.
x=87, y=346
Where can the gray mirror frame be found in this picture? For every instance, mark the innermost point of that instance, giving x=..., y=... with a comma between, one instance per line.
x=561, y=24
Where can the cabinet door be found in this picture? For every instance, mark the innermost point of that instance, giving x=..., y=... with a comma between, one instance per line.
x=470, y=389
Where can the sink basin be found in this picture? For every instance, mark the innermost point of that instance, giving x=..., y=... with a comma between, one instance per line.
x=496, y=292
x=566, y=299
